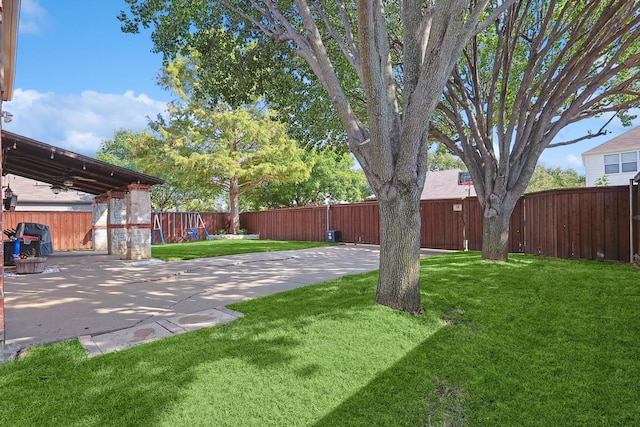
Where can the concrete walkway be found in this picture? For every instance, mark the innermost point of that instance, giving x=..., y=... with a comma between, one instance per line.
x=111, y=304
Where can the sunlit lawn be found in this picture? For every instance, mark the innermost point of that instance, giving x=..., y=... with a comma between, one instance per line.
x=212, y=248
x=536, y=341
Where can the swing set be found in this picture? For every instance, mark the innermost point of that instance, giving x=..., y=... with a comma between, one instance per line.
x=179, y=227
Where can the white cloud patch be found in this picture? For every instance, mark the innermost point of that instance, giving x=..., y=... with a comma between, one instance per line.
x=33, y=18
x=79, y=123
x=574, y=161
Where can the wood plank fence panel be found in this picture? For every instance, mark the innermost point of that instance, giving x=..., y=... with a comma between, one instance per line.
x=538, y=210
x=635, y=203
x=586, y=228
x=442, y=226
x=473, y=222
x=588, y=223
x=575, y=236
x=562, y=204
x=357, y=222
x=69, y=230
x=304, y=224
x=215, y=221
x=516, y=228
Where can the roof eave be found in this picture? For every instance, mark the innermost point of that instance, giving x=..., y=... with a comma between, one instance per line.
x=11, y=18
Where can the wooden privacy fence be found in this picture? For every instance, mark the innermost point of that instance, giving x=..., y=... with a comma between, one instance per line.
x=590, y=223
x=69, y=230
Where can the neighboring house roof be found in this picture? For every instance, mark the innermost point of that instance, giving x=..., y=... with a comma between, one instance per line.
x=444, y=185
x=628, y=141
x=34, y=193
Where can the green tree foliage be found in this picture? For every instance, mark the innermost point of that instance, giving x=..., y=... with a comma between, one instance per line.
x=236, y=65
x=214, y=145
x=441, y=159
x=545, y=178
x=125, y=150
x=333, y=178
x=118, y=151
x=233, y=150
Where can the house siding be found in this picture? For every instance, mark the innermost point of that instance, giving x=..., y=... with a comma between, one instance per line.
x=593, y=159
x=594, y=165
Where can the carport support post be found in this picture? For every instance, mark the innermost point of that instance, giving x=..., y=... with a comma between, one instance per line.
x=117, y=223
x=100, y=212
x=138, y=222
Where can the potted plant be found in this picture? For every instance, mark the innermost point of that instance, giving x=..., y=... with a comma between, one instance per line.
x=30, y=263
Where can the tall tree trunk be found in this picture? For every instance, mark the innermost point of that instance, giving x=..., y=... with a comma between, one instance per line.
x=399, y=282
x=234, y=210
x=495, y=238
x=495, y=229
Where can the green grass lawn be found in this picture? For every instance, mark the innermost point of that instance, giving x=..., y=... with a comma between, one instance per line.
x=532, y=342
x=211, y=248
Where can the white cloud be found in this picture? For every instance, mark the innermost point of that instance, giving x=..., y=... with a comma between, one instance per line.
x=78, y=123
x=33, y=17
x=575, y=161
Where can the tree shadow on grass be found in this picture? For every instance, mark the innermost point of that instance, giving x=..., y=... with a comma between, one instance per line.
x=137, y=385
x=520, y=347
x=487, y=356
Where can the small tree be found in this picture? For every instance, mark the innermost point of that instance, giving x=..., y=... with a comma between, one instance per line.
x=231, y=150
x=217, y=146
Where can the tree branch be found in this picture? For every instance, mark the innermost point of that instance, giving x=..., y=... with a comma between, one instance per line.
x=349, y=49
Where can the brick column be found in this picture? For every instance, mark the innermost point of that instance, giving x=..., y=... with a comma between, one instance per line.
x=100, y=213
x=117, y=223
x=139, y=222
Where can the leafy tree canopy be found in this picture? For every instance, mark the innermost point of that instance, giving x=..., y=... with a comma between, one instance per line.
x=333, y=178
x=440, y=159
x=546, y=178
x=235, y=64
x=126, y=150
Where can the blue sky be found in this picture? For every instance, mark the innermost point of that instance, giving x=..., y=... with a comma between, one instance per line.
x=79, y=79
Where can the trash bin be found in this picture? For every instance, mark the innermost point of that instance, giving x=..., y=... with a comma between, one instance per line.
x=334, y=236
x=9, y=251
x=35, y=236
